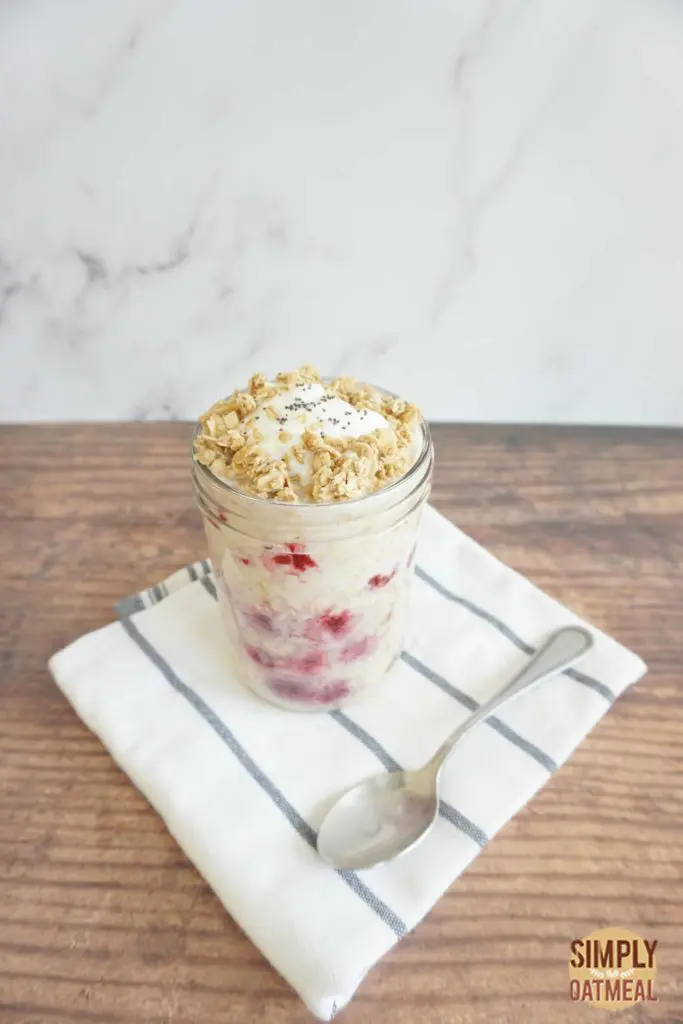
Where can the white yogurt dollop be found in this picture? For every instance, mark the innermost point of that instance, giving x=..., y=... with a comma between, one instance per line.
x=309, y=407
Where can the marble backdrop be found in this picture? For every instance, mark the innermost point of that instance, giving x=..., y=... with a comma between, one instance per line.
x=477, y=203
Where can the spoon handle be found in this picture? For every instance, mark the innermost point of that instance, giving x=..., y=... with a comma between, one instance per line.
x=562, y=648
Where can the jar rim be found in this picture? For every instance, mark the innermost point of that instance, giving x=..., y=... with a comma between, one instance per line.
x=259, y=502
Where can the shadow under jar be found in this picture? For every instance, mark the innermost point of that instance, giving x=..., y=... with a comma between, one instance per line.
x=313, y=597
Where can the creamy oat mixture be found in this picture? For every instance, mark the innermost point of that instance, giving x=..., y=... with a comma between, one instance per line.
x=314, y=619
x=298, y=439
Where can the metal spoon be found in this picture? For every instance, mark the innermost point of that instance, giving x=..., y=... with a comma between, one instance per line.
x=388, y=814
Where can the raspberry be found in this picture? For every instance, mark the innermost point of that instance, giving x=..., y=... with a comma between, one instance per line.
x=359, y=649
x=336, y=623
x=327, y=694
x=260, y=657
x=380, y=580
x=309, y=665
x=332, y=692
x=260, y=620
x=288, y=688
x=297, y=558
x=303, y=562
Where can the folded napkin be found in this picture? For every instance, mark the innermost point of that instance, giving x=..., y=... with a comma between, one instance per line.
x=243, y=786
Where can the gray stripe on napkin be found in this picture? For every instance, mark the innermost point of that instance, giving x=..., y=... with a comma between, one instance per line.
x=129, y=606
x=306, y=831
x=594, y=684
x=384, y=912
x=446, y=810
x=471, y=704
x=498, y=624
x=376, y=748
x=458, y=819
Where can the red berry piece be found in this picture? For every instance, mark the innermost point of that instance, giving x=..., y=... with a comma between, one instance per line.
x=329, y=624
x=303, y=562
x=300, y=560
x=332, y=692
x=337, y=623
x=309, y=665
x=289, y=689
x=245, y=561
x=381, y=580
x=296, y=558
x=261, y=657
x=260, y=620
x=327, y=694
x=312, y=629
x=222, y=516
x=359, y=649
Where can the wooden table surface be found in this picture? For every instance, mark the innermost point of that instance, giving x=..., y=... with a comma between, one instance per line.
x=101, y=916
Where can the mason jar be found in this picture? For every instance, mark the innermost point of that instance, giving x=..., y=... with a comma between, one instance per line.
x=313, y=597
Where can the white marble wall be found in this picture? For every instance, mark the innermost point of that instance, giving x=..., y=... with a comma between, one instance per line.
x=477, y=203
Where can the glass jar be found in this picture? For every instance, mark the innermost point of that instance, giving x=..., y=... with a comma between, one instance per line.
x=313, y=597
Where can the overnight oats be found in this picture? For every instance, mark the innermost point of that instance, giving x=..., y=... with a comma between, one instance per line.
x=311, y=491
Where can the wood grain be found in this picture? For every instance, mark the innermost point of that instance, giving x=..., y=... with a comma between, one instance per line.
x=102, y=919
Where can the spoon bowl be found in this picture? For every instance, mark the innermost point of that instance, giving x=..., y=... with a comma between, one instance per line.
x=378, y=819
x=389, y=814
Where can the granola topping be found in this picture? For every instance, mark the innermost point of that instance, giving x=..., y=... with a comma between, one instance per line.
x=296, y=439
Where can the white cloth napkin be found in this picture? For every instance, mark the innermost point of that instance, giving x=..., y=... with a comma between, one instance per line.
x=243, y=786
